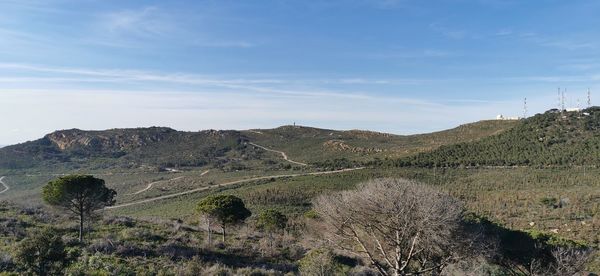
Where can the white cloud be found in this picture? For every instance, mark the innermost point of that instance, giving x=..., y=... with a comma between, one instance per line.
x=448, y=32
x=568, y=44
x=145, y=22
x=223, y=44
x=120, y=76
x=504, y=32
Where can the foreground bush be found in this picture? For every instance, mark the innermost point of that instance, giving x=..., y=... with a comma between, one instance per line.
x=400, y=227
x=43, y=253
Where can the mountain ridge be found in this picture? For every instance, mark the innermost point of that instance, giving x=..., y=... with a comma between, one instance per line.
x=164, y=146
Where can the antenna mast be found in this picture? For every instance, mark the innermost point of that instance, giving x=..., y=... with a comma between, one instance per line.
x=559, y=100
x=562, y=100
x=525, y=108
x=589, y=100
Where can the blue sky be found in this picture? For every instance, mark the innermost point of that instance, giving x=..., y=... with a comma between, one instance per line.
x=403, y=66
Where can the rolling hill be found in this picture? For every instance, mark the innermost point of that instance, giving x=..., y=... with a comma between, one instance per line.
x=164, y=147
x=553, y=138
x=315, y=145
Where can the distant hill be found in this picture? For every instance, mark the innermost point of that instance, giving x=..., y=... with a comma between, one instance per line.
x=553, y=138
x=315, y=145
x=123, y=147
x=166, y=147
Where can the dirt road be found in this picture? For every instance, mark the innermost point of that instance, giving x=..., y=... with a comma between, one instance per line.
x=6, y=188
x=225, y=185
x=283, y=154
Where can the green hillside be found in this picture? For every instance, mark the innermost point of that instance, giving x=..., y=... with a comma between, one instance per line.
x=550, y=139
x=67, y=150
x=313, y=145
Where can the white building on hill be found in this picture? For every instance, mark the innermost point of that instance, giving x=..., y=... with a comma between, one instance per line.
x=503, y=118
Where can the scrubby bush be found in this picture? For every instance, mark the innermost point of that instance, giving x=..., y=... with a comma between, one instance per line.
x=400, y=226
x=43, y=253
x=104, y=246
x=176, y=251
x=6, y=262
x=321, y=262
x=121, y=221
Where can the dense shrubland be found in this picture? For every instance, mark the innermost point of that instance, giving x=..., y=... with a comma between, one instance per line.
x=444, y=237
x=550, y=139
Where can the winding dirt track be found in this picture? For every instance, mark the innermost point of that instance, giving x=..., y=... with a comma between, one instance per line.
x=225, y=185
x=155, y=182
x=283, y=154
x=160, y=181
x=6, y=188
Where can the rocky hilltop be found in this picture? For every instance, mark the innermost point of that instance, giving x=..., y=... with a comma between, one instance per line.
x=123, y=147
x=110, y=140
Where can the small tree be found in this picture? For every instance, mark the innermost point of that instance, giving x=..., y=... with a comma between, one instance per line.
x=400, y=227
x=43, y=253
x=320, y=262
x=223, y=209
x=271, y=220
x=79, y=194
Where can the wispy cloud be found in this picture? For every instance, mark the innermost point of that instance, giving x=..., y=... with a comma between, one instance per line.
x=133, y=75
x=504, y=32
x=145, y=22
x=564, y=42
x=18, y=36
x=117, y=76
x=224, y=44
x=291, y=86
x=448, y=32
x=568, y=44
x=412, y=54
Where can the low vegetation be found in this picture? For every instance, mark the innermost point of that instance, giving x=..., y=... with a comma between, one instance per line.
x=415, y=228
x=551, y=139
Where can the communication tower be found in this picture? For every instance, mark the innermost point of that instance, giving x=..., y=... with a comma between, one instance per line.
x=562, y=100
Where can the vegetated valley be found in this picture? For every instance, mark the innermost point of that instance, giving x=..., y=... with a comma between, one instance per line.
x=487, y=198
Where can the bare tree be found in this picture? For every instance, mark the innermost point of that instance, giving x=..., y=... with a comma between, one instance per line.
x=400, y=227
x=570, y=261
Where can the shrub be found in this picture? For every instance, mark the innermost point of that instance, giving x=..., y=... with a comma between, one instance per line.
x=321, y=262
x=174, y=251
x=42, y=254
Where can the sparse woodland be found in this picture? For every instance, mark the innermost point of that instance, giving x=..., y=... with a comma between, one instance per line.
x=383, y=227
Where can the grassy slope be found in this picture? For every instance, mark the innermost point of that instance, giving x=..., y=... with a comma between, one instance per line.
x=549, y=139
x=315, y=145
